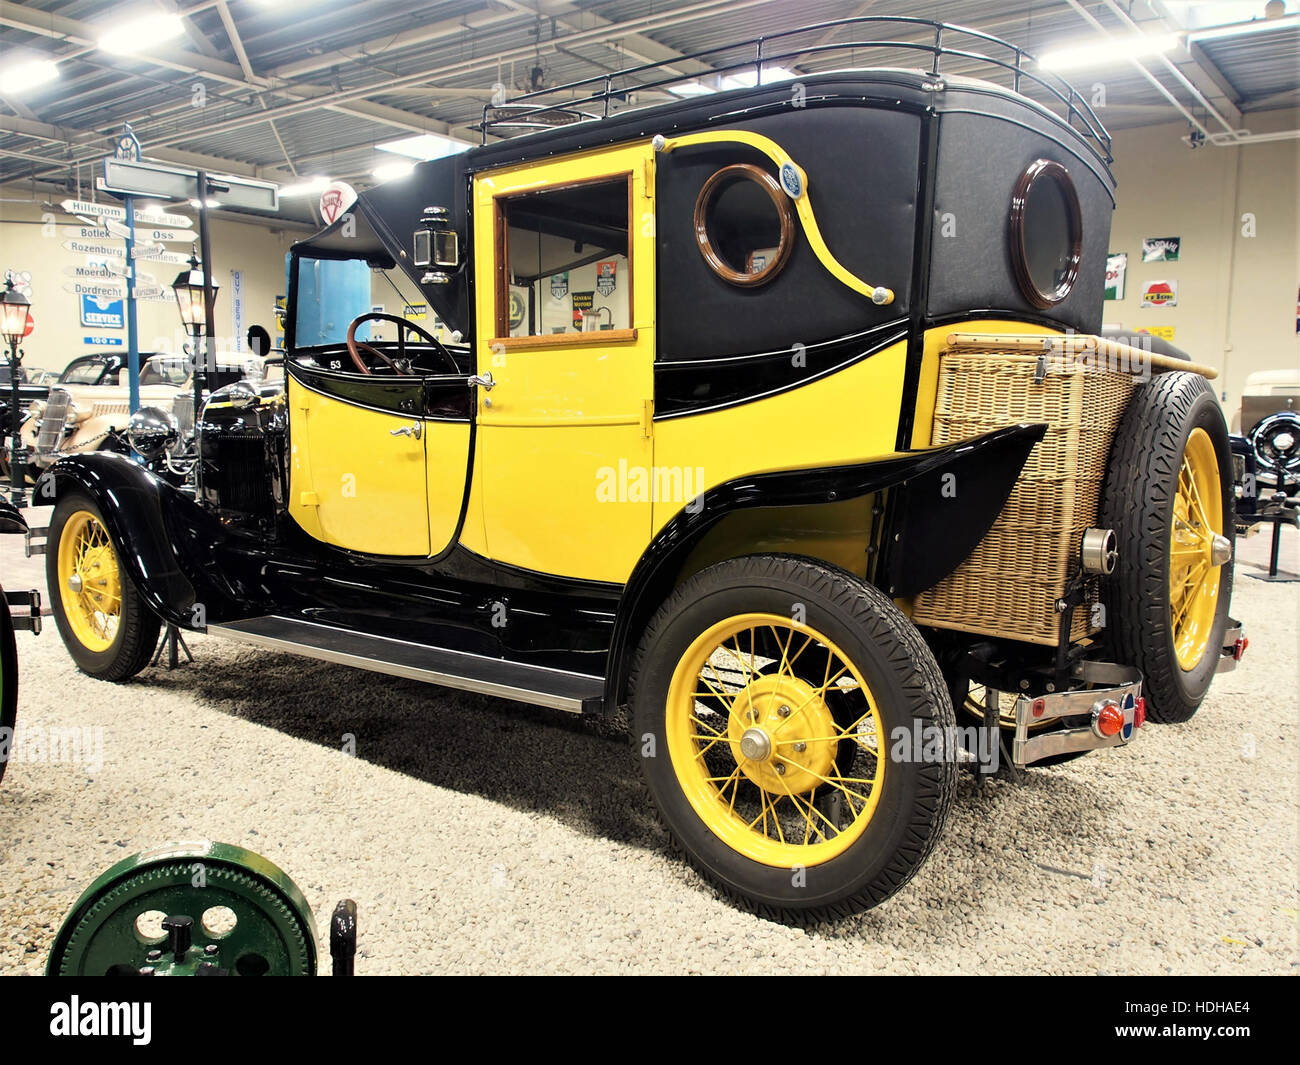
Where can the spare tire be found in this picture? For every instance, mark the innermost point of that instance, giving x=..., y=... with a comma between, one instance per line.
x=1169, y=498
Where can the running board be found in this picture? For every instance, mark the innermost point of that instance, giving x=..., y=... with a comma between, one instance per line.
x=539, y=685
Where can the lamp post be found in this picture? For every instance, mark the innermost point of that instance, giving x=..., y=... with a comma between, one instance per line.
x=191, y=287
x=15, y=318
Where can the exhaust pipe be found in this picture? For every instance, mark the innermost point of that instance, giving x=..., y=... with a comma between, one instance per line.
x=1099, y=552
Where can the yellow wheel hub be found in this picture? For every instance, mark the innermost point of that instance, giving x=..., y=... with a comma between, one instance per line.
x=90, y=583
x=775, y=740
x=1197, y=550
x=783, y=739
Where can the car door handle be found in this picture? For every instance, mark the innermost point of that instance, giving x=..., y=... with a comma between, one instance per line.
x=483, y=381
x=416, y=430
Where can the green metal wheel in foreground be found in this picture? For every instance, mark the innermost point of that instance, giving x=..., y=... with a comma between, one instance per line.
x=188, y=909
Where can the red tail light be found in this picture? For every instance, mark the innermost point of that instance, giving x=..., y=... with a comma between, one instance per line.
x=1239, y=648
x=1140, y=712
x=1108, y=720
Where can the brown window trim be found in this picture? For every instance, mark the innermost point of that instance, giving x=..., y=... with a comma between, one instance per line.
x=502, y=252
x=785, y=244
x=564, y=340
x=1045, y=169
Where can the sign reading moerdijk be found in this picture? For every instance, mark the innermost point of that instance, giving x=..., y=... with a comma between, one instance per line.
x=133, y=1019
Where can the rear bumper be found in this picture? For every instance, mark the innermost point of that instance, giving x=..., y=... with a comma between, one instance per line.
x=1234, y=646
x=1119, y=686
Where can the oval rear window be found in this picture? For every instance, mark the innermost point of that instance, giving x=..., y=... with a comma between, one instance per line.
x=1046, y=233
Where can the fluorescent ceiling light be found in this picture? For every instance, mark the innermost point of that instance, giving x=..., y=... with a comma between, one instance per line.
x=1105, y=52
x=425, y=146
x=392, y=171
x=27, y=74
x=1243, y=29
x=141, y=33
x=211, y=204
x=306, y=187
x=747, y=79
x=691, y=88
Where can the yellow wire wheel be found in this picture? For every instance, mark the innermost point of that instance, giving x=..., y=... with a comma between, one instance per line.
x=757, y=748
x=781, y=710
x=1193, y=570
x=89, y=581
x=105, y=626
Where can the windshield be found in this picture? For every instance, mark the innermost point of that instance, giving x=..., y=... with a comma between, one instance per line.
x=165, y=370
x=332, y=293
x=90, y=372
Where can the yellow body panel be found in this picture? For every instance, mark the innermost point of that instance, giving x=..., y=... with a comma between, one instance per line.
x=353, y=484
x=567, y=414
x=849, y=416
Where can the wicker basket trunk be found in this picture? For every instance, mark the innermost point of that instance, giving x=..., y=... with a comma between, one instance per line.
x=1009, y=585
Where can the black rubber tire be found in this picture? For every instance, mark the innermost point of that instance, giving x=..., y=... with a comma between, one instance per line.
x=902, y=673
x=138, y=629
x=1138, y=504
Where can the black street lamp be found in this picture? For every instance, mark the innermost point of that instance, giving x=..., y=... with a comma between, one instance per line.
x=15, y=318
x=190, y=287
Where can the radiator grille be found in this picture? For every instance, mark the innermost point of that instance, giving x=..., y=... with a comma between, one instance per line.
x=53, y=421
x=1011, y=582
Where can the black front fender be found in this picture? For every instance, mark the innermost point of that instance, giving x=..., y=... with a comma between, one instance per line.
x=165, y=542
x=946, y=499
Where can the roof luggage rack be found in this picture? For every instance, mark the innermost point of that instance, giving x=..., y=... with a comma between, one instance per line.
x=604, y=90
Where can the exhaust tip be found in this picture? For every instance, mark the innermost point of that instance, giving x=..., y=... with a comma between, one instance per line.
x=1100, y=552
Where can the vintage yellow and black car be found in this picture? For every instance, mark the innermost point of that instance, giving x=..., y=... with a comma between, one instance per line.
x=777, y=415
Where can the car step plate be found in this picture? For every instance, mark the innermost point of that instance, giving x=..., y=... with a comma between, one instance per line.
x=578, y=693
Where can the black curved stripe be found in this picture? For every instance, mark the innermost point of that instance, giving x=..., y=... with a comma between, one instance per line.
x=435, y=397
x=698, y=385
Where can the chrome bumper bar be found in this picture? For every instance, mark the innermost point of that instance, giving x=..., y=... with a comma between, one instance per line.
x=1234, y=646
x=1122, y=690
x=25, y=610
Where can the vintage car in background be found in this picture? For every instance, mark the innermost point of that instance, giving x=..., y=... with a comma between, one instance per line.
x=89, y=408
x=1269, y=418
x=840, y=464
x=33, y=384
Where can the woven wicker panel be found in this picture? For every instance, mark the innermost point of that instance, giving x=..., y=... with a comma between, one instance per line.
x=1010, y=584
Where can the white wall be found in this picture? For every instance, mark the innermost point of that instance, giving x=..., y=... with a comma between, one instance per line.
x=31, y=239
x=1237, y=294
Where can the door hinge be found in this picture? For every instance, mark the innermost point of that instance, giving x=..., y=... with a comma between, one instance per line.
x=309, y=499
x=647, y=418
x=648, y=179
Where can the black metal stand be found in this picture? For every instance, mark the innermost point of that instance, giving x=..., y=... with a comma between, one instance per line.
x=173, y=643
x=1281, y=512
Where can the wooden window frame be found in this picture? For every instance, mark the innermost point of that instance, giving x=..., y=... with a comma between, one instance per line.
x=501, y=249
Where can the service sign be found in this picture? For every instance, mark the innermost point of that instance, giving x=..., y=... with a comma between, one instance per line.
x=1160, y=294
x=99, y=312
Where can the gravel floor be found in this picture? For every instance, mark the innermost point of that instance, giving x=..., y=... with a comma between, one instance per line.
x=479, y=836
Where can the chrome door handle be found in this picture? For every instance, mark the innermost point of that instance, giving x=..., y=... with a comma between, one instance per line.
x=416, y=430
x=483, y=381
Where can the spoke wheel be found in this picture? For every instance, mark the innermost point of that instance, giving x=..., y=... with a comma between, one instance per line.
x=1168, y=496
x=90, y=583
x=779, y=708
x=758, y=750
x=104, y=623
x=1193, y=571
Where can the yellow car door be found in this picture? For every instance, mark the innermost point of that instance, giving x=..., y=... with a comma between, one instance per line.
x=565, y=305
x=357, y=461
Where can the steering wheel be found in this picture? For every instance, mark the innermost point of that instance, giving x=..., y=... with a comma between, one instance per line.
x=355, y=346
